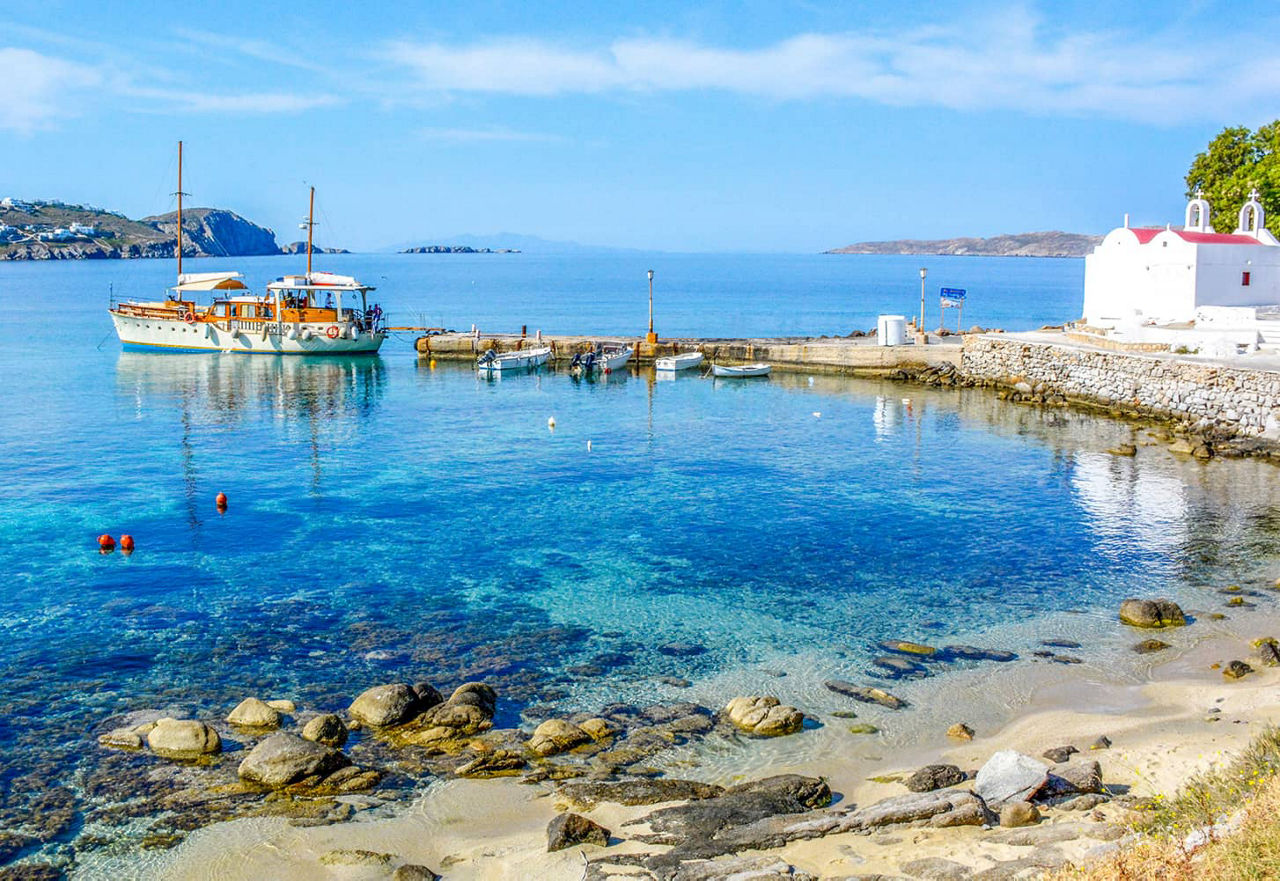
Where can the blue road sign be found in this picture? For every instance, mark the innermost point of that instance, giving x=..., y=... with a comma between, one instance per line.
x=953, y=293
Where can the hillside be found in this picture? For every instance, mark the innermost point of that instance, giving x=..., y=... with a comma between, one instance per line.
x=1027, y=244
x=457, y=249
x=60, y=231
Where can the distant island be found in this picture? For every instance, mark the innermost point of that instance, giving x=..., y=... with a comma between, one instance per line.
x=458, y=249
x=301, y=248
x=62, y=231
x=1027, y=244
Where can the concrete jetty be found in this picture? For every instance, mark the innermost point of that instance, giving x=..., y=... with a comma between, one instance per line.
x=848, y=355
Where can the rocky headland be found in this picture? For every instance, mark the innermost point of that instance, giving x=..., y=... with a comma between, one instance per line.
x=1027, y=244
x=458, y=249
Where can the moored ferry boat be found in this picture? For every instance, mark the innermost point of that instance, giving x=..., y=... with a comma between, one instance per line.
x=318, y=313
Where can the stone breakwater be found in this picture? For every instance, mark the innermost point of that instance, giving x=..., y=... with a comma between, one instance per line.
x=1208, y=397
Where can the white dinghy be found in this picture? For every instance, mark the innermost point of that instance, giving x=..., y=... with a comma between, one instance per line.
x=682, y=361
x=739, y=370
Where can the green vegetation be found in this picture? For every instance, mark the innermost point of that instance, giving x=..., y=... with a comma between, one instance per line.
x=1223, y=824
x=1236, y=161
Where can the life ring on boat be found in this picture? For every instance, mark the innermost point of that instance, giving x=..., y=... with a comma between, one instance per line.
x=332, y=332
x=189, y=317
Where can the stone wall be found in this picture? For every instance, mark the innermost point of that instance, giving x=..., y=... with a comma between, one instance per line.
x=1227, y=399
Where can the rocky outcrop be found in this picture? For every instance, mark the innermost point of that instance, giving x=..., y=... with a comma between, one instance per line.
x=932, y=777
x=1152, y=613
x=1027, y=244
x=764, y=716
x=637, y=791
x=557, y=736
x=285, y=758
x=301, y=248
x=1010, y=776
x=183, y=739
x=216, y=232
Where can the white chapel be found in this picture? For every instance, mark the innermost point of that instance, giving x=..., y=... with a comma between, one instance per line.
x=1145, y=277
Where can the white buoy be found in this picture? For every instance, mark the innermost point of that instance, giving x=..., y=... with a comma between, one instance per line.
x=588, y=446
x=551, y=423
x=817, y=414
x=811, y=382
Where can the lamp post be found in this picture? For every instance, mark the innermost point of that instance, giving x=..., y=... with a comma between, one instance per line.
x=652, y=337
x=923, y=273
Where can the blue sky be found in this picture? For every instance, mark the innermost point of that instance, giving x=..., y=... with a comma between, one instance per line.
x=753, y=126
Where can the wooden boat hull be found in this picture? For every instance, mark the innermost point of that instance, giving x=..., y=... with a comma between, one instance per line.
x=740, y=370
x=249, y=338
x=683, y=361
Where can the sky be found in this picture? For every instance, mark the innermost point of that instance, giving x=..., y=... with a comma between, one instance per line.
x=764, y=125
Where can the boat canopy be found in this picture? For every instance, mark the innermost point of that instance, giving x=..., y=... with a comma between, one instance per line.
x=210, y=281
x=318, y=281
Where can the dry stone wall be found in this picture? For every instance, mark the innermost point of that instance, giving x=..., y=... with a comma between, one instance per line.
x=1227, y=399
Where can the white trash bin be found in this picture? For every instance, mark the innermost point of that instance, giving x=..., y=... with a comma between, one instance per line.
x=891, y=330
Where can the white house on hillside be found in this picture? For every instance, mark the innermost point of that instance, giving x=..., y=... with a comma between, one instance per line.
x=1145, y=276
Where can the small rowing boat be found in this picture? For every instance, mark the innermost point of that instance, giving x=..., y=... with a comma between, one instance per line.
x=740, y=370
x=604, y=358
x=525, y=359
x=682, y=361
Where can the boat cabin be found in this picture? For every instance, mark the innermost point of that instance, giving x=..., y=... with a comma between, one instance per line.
x=319, y=297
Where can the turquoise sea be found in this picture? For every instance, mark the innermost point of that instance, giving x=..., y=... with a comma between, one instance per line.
x=389, y=521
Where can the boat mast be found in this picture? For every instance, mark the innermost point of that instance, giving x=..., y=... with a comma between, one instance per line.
x=179, y=195
x=311, y=223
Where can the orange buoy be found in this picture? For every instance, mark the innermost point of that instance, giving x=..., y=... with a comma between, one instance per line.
x=126, y=543
x=221, y=500
x=106, y=544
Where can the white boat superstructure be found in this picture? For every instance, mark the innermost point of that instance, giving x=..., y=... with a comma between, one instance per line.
x=681, y=361
x=604, y=358
x=525, y=359
x=739, y=370
x=318, y=313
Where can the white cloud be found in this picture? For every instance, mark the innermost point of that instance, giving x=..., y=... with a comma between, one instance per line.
x=36, y=88
x=471, y=136
x=170, y=100
x=1006, y=62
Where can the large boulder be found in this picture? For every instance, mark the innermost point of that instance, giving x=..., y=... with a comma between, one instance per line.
x=328, y=729
x=1074, y=778
x=183, y=739
x=566, y=830
x=1152, y=613
x=385, y=705
x=254, y=713
x=557, y=736
x=1010, y=776
x=764, y=716
x=932, y=777
x=285, y=758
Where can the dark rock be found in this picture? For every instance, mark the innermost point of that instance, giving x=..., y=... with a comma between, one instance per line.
x=738, y=806
x=475, y=694
x=1269, y=653
x=285, y=758
x=567, y=830
x=1152, y=613
x=866, y=695
x=1073, y=778
x=1147, y=646
x=637, y=791
x=932, y=777
x=1060, y=754
x=941, y=808
x=899, y=668
x=355, y=858
x=970, y=653
x=1236, y=670
x=12, y=844
x=428, y=695
x=681, y=649
x=908, y=648
x=674, y=681
x=1061, y=643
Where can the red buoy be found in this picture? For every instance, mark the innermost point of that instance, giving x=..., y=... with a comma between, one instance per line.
x=106, y=544
x=126, y=544
x=221, y=500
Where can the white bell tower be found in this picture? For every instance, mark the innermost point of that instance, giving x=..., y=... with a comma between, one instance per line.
x=1252, y=220
x=1198, y=214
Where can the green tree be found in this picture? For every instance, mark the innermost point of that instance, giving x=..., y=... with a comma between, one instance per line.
x=1237, y=161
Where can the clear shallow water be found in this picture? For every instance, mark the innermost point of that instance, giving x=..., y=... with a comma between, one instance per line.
x=390, y=521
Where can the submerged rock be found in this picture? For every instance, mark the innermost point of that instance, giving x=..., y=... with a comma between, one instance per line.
x=970, y=653
x=385, y=705
x=355, y=858
x=899, y=668
x=960, y=731
x=121, y=738
x=1010, y=776
x=1148, y=646
x=1236, y=670
x=932, y=777
x=556, y=736
x=599, y=729
x=328, y=729
x=285, y=758
x=1152, y=613
x=764, y=716
x=499, y=763
x=865, y=694
x=183, y=739
x=254, y=713
x=567, y=830
x=908, y=648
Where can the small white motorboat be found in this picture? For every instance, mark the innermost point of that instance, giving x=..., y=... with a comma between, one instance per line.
x=525, y=359
x=682, y=361
x=605, y=358
x=740, y=370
